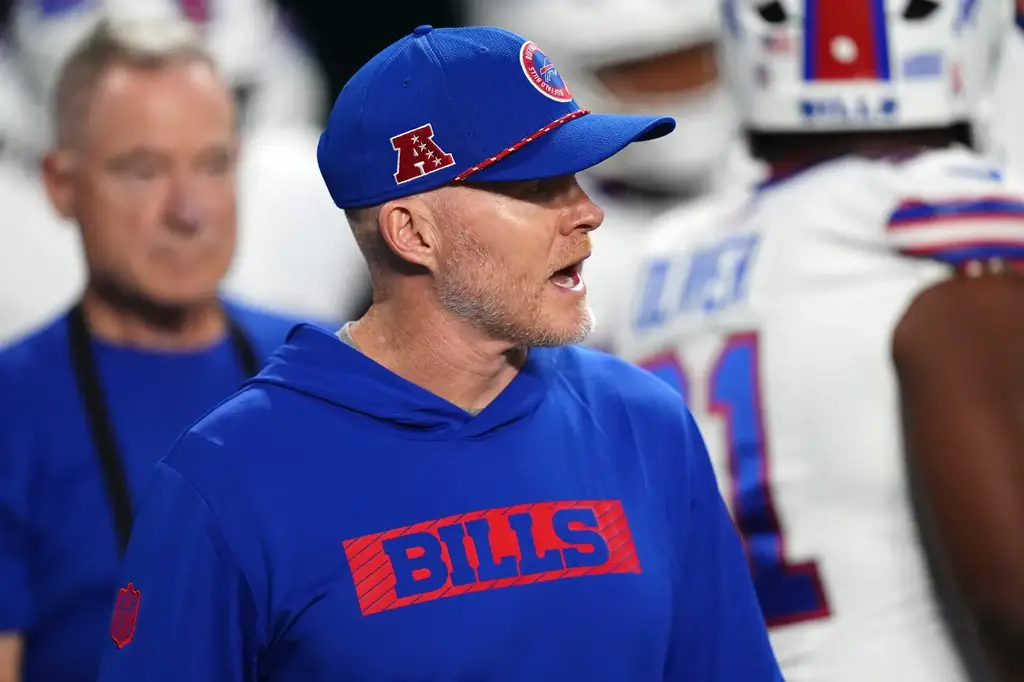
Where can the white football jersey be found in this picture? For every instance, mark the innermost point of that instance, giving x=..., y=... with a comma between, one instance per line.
x=773, y=314
x=612, y=263
x=41, y=267
x=296, y=253
x=618, y=244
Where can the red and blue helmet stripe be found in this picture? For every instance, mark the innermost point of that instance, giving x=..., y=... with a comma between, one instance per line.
x=861, y=21
x=197, y=11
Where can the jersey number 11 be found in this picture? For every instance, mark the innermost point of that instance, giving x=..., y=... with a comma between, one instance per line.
x=788, y=592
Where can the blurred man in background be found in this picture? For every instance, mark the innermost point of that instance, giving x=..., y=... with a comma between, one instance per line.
x=279, y=92
x=647, y=57
x=145, y=164
x=853, y=334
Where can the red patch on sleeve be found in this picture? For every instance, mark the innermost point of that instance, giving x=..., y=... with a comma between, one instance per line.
x=126, y=615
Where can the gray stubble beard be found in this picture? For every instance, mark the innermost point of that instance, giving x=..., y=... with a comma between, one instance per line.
x=486, y=309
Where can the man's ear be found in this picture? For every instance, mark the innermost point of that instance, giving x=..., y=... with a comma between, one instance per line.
x=409, y=227
x=58, y=177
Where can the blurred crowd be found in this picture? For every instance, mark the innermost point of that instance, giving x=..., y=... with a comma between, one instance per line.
x=278, y=246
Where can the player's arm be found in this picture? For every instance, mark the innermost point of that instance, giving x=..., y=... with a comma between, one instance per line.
x=10, y=657
x=959, y=357
x=16, y=607
x=959, y=353
x=15, y=603
x=719, y=634
x=195, y=617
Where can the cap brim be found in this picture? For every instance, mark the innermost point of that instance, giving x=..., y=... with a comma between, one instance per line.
x=575, y=146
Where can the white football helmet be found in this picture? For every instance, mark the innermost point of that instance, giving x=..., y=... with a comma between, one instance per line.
x=855, y=65
x=20, y=130
x=246, y=37
x=582, y=36
x=295, y=253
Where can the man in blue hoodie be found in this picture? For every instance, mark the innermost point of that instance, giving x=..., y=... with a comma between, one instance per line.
x=446, y=490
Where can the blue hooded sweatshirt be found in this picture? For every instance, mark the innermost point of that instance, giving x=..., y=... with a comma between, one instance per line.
x=59, y=548
x=333, y=521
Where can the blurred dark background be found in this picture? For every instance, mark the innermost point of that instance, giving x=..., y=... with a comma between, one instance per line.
x=344, y=35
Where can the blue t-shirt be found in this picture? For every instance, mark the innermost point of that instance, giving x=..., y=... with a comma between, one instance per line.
x=333, y=521
x=59, y=552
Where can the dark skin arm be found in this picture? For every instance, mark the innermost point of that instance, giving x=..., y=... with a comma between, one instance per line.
x=959, y=355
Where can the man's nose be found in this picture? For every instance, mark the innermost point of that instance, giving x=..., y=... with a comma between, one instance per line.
x=585, y=214
x=184, y=211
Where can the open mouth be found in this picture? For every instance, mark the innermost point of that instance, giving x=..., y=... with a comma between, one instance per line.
x=569, y=277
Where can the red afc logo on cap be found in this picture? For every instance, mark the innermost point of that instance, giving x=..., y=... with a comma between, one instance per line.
x=126, y=614
x=418, y=154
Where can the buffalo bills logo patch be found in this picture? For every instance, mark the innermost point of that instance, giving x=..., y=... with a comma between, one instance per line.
x=126, y=614
x=542, y=74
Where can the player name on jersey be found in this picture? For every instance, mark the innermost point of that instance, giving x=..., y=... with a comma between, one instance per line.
x=709, y=280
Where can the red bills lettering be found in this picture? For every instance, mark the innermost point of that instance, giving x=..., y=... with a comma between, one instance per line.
x=418, y=154
x=490, y=549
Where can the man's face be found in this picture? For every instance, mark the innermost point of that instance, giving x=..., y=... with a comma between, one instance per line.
x=152, y=182
x=512, y=259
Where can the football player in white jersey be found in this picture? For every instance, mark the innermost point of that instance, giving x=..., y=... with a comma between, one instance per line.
x=643, y=57
x=852, y=330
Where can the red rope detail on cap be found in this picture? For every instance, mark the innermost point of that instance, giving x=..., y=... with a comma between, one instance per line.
x=519, y=145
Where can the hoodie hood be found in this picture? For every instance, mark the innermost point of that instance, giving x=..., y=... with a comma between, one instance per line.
x=315, y=362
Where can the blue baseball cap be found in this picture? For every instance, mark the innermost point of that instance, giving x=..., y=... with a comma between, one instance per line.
x=452, y=104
